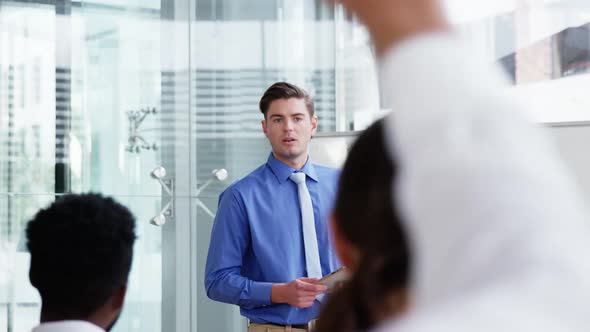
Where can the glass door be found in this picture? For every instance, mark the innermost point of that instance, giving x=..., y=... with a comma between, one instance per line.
x=93, y=97
x=238, y=49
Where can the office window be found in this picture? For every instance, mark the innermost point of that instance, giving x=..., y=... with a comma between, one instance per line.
x=544, y=48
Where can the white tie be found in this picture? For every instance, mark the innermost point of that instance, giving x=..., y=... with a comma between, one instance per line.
x=310, y=239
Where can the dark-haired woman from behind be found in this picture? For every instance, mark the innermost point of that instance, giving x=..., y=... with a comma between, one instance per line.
x=369, y=239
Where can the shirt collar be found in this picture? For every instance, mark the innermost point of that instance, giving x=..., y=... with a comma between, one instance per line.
x=68, y=325
x=282, y=171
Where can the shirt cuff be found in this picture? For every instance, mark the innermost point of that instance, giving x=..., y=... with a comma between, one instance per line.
x=261, y=292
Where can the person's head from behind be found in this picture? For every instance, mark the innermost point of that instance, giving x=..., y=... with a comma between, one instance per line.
x=81, y=251
x=289, y=121
x=369, y=239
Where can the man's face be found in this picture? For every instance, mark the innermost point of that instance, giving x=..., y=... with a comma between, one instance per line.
x=289, y=127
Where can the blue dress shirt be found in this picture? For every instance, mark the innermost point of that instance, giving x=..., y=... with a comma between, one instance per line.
x=257, y=240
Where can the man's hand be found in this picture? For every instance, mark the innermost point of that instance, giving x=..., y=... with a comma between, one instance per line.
x=299, y=293
x=391, y=21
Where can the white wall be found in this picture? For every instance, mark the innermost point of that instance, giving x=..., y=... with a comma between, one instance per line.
x=572, y=141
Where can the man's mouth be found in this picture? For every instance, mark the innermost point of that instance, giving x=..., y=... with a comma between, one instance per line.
x=289, y=140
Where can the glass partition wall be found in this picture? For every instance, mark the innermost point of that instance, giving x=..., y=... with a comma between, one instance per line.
x=95, y=95
x=81, y=109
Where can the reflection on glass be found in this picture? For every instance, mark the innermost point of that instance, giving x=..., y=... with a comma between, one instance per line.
x=63, y=106
x=27, y=98
x=543, y=46
x=68, y=74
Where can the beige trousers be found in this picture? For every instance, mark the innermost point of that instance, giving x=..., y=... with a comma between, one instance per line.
x=253, y=327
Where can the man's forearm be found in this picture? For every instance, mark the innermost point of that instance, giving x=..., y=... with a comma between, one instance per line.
x=391, y=22
x=236, y=289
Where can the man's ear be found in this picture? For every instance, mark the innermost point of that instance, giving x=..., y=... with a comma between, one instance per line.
x=314, y=124
x=345, y=251
x=119, y=297
x=264, y=128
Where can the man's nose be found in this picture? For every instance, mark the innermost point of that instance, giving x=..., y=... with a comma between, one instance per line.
x=288, y=125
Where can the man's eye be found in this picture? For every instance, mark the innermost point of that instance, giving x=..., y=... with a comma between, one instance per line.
x=277, y=120
x=298, y=119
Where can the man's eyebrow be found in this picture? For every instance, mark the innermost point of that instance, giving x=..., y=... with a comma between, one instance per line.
x=276, y=116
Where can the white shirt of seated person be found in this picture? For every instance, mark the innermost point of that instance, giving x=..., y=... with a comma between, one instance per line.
x=498, y=232
x=68, y=326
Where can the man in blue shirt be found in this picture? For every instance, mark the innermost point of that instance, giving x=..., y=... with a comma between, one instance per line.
x=257, y=255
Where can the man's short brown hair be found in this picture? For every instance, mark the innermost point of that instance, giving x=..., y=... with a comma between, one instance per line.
x=284, y=90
